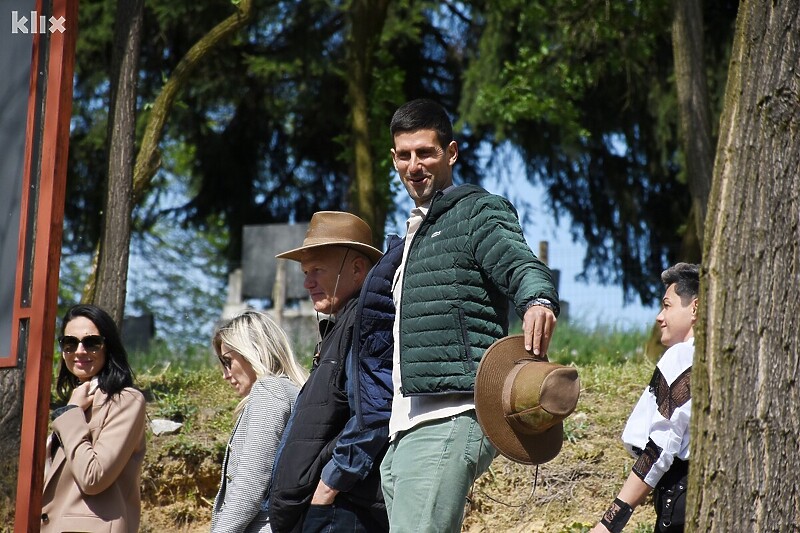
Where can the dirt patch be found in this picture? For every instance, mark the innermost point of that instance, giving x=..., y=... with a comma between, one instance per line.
x=574, y=489
x=181, y=471
x=571, y=492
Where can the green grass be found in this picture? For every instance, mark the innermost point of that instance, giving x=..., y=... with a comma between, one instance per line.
x=607, y=345
x=161, y=357
x=170, y=379
x=573, y=342
x=173, y=392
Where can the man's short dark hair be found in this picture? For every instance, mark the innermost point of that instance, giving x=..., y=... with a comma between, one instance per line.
x=422, y=114
x=686, y=277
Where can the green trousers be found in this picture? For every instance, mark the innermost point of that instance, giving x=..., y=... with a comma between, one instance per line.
x=428, y=471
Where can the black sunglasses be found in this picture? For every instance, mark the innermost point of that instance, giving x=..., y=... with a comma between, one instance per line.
x=225, y=361
x=91, y=343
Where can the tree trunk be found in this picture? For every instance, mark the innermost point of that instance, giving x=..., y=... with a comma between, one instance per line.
x=366, y=18
x=10, y=419
x=745, y=473
x=693, y=105
x=148, y=159
x=115, y=236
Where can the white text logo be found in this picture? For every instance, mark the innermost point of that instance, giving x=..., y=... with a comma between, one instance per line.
x=38, y=23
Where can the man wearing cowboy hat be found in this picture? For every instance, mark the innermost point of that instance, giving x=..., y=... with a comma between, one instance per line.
x=465, y=257
x=323, y=477
x=657, y=432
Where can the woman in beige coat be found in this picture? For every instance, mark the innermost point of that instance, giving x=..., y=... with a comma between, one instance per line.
x=95, y=453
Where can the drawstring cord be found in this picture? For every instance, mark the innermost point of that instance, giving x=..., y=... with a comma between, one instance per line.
x=472, y=489
x=322, y=334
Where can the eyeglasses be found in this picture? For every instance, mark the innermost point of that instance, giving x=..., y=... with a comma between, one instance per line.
x=226, y=361
x=91, y=343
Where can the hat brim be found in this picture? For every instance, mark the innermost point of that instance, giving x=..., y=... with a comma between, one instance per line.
x=497, y=363
x=296, y=254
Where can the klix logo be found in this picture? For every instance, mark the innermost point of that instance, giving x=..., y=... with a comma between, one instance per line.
x=38, y=23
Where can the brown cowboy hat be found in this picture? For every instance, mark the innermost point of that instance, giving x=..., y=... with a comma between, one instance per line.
x=336, y=228
x=521, y=401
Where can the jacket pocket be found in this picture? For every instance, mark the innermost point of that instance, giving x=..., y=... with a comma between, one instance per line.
x=466, y=353
x=327, y=372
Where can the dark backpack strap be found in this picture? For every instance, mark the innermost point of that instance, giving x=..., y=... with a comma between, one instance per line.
x=670, y=497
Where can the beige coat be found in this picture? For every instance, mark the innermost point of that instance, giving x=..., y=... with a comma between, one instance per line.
x=93, y=481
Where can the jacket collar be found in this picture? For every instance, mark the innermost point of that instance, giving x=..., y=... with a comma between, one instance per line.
x=442, y=201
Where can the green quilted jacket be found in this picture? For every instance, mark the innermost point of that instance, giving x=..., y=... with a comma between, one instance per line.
x=467, y=260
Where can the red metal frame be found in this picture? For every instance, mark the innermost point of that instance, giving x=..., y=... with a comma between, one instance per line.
x=47, y=229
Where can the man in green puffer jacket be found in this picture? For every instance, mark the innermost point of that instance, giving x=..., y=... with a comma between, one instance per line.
x=465, y=257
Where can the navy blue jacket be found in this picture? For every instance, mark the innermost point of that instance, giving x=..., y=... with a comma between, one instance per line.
x=363, y=441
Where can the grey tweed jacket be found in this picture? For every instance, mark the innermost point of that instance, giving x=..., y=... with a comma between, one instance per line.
x=247, y=467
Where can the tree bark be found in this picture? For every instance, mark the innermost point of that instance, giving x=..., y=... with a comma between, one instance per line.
x=115, y=236
x=745, y=473
x=367, y=18
x=11, y=394
x=693, y=105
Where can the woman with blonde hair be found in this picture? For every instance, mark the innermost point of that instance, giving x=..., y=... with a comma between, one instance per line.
x=258, y=363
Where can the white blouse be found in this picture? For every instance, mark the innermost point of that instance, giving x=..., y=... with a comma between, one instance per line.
x=658, y=429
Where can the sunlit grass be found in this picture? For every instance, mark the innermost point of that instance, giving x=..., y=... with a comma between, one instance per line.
x=576, y=343
x=573, y=343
